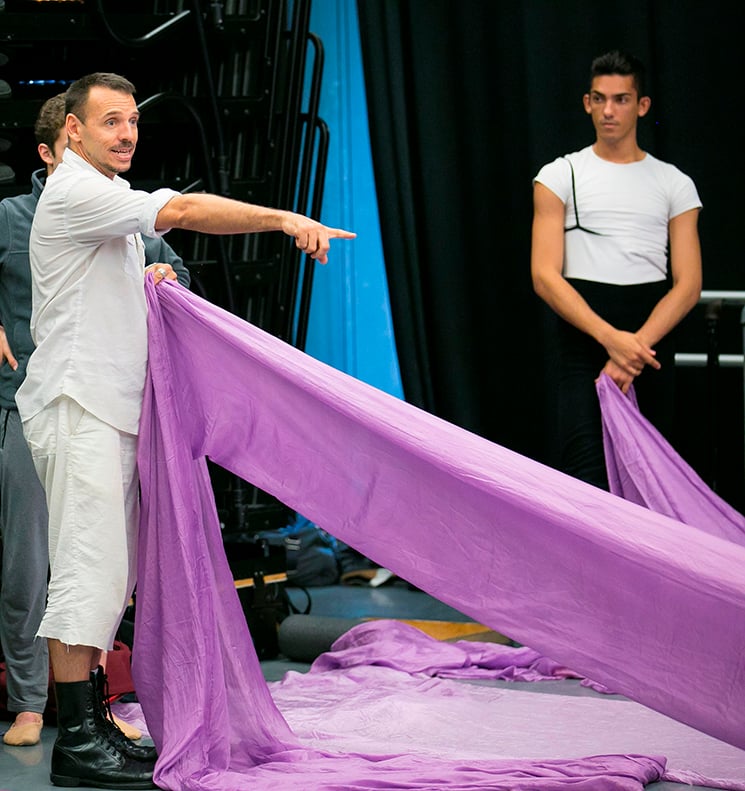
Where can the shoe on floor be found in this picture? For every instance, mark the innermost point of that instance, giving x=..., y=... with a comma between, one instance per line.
x=25, y=733
x=130, y=731
x=83, y=753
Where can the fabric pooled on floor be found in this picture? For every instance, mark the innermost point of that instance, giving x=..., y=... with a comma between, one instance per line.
x=630, y=598
x=362, y=695
x=365, y=696
x=400, y=646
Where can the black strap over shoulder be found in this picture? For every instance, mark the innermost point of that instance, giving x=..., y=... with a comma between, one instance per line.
x=577, y=226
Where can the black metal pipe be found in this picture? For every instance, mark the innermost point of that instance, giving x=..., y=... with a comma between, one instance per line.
x=307, y=287
x=139, y=41
x=713, y=315
x=223, y=258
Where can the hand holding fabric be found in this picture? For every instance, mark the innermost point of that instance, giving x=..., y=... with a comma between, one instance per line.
x=161, y=272
x=622, y=379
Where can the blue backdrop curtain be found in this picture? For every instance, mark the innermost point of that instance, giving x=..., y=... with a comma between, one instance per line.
x=350, y=324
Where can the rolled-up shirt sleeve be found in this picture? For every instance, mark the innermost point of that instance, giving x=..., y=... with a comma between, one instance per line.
x=158, y=200
x=95, y=212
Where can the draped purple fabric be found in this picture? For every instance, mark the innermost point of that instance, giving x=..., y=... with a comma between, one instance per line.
x=628, y=597
x=385, y=684
x=644, y=468
x=406, y=648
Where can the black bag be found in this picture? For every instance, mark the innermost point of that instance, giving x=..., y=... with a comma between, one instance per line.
x=260, y=572
x=310, y=553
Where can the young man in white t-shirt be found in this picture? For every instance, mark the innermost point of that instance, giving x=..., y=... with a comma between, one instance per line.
x=605, y=219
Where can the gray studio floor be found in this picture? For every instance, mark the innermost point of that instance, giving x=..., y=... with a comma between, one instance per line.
x=27, y=768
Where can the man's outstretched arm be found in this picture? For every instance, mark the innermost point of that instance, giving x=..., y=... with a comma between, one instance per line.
x=215, y=214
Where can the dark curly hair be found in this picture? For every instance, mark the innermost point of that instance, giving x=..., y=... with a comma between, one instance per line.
x=50, y=120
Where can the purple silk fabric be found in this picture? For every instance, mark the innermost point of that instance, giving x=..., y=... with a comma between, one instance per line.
x=644, y=468
x=633, y=599
x=406, y=648
x=382, y=685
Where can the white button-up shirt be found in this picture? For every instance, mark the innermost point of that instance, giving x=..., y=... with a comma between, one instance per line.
x=89, y=313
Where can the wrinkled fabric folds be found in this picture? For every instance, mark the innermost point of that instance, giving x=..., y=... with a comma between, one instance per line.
x=644, y=468
x=630, y=598
x=387, y=684
x=406, y=648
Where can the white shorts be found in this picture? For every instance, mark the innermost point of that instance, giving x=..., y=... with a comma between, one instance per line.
x=89, y=472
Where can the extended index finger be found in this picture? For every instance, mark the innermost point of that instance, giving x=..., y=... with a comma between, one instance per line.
x=340, y=233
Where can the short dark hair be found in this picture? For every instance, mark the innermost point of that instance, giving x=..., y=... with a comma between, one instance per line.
x=50, y=120
x=76, y=96
x=617, y=62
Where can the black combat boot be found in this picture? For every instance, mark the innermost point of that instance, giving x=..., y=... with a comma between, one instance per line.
x=83, y=754
x=141, y=752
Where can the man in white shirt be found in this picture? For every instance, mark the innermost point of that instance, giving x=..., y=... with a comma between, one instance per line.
x=81, y=400
x=605, y=220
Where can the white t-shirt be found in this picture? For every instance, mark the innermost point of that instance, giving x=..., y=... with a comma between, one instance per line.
x=627, y=206
x=89, y=313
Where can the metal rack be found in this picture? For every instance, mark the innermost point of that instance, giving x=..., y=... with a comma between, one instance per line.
x=714, y=302
x=229, y=93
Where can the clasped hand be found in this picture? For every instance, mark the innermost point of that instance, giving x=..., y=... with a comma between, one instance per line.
x=628, y=355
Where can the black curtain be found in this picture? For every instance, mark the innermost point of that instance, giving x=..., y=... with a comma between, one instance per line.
x=466, y=101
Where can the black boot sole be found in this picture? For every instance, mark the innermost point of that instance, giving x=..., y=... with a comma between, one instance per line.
x=63, y=781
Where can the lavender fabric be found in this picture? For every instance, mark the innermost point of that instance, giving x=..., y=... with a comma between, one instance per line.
x=381, y=686
x=644, y=468
x=403, y=647
x=380, y=690
x=628, y=597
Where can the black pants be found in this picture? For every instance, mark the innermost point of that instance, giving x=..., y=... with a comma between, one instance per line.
x=580, y=361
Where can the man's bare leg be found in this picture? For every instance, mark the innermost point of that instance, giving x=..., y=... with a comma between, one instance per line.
x=72, y=662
